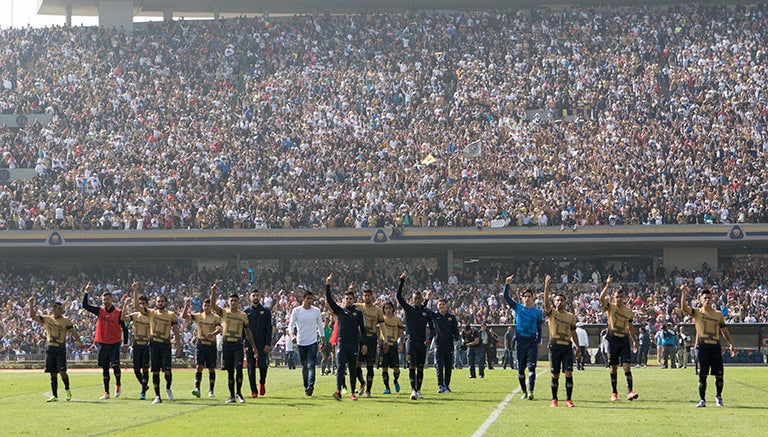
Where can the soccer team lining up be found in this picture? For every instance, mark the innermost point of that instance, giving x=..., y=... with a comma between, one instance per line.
x=361, y=329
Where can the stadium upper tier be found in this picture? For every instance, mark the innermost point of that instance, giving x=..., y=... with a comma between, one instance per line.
x=561, y=118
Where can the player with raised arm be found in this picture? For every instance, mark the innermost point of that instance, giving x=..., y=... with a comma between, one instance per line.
x=373, y=317
x=109, y=329
x=709, y=324
x=417, y=318
x=234, y=326
x=351, y=328
x=161, y=323
x=528, y=320
x=562, y=332
x=620, y=331
x=56, y=328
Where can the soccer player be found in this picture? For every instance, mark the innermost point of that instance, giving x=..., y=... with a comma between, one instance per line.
x=260, y=322
x=109, y=328
x=527, y=336
x=161, y=323
x=417, y=317
x=56, y=328
x=373, y=317
x=234, y=323
x=140, y=322
x=562, y=330
x=709, y=324
x=392, y=341
x=444, y=329
x=305, y=326
x=351, y=328
x=620, y=331
x=208, y=326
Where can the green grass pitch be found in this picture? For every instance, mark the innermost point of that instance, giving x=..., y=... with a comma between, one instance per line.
x=666, y=406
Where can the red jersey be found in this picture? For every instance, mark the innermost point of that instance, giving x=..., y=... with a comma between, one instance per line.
x=108, y=329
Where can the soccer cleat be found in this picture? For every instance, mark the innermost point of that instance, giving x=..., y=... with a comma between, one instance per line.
x=553, y=403
x=631, y=396
x=387, y=392
x=524, y=396
x=254, y=395
x=569, y=404
x=52, y=399
x=142, y=396
x=262, y=389
x=397, y=387
x=702, y=403
x=337, y=395
x=157, y=400
x=448, y=389
x=210, y=394
x=413, y=395
x=530, y=396
x=240, y=398
x=472, y=377
x=118, y=392
x=614, y=397
x=719, y=401
x=230, y=400
x=353, y=397
x=105, y=396
x=419, y=395
x=196, y=393
x=367, y=394
x=441, y=390
x=169, y=394
x=361, y=390
x=69, y=394
x=344, y=390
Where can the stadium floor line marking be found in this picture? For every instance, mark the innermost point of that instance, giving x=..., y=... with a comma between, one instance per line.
x=499, y=408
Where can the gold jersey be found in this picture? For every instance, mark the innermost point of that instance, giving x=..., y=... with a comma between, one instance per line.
x=56, y=330
x=233, y=323
x=561, y=324
x=160, y=322
x=708, y=325
x=373, y=316
x=390, y=330
x=141, y=327
x=619, y=319
x=206, y=323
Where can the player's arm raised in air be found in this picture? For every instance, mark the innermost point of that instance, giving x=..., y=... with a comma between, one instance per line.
x=604, y=299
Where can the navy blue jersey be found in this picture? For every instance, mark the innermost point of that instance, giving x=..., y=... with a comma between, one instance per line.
x=444, y=328
x=416, y=318
x=260, y=324
x=351, y=320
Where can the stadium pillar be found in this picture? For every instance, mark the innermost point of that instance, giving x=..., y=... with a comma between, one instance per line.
x=68, y=15
x=216, y=14
x=167, y=14
x=285, y=266
x=445, y=264
x=690, y=258
x=116, y=14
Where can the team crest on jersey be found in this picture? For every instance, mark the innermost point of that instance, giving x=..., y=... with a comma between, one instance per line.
x=261, y=312
x=424, y=314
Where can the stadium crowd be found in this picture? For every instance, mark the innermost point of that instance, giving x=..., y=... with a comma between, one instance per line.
x=373, y=120
x=473, y=294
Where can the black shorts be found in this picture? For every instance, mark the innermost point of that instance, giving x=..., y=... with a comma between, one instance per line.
x=160, y=356
x=56, y=359
x=206, y=355
x=109, y=355
x=390, y=358
x=619, y=351
x=710, y=359
x=415, y=353
x=369, y=357
x=560, y=358
x=140, y=356
x=527, y=350
x=232, y=354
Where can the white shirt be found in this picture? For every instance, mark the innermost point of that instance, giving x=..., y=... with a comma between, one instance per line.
x=581, y=334
x=308, y=323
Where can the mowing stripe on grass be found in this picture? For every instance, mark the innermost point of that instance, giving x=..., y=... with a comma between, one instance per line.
x=499, y=408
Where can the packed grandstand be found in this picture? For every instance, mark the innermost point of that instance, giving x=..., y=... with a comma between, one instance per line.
x=566, y=117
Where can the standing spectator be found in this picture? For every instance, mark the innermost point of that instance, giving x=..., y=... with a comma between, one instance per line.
x=583, y=337
x=683, y=347
x=475, y=352
x=509, y=341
